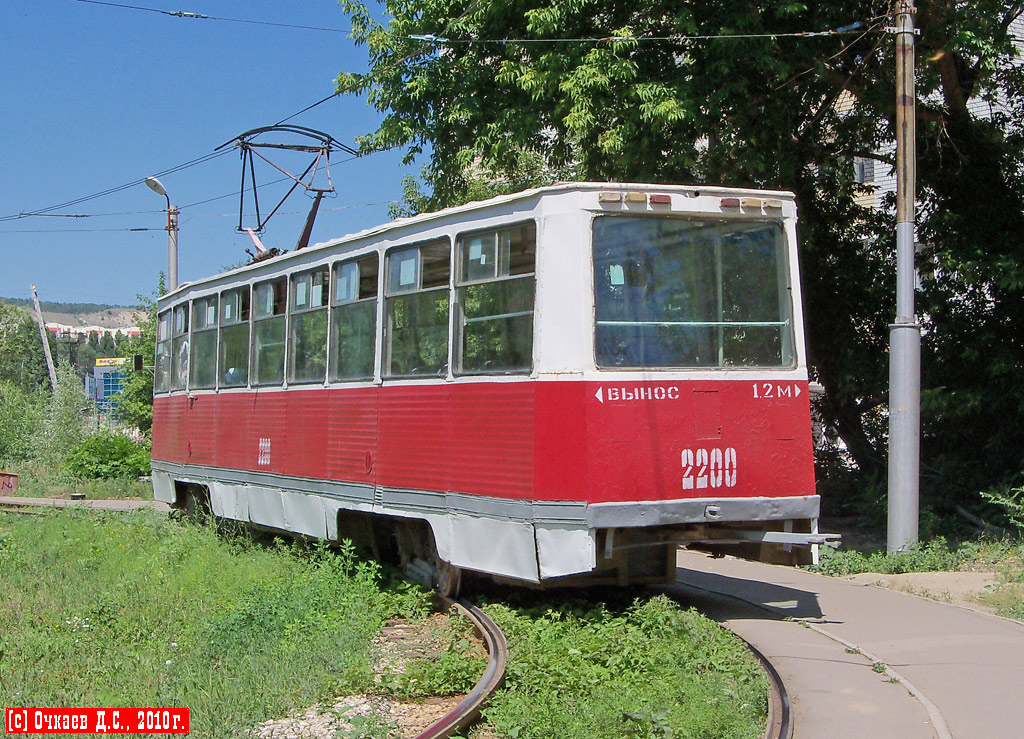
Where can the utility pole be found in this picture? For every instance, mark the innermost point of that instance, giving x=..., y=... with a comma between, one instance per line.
x=905, y=332
x=46, y=344
x=172, y=233
x=172, y=247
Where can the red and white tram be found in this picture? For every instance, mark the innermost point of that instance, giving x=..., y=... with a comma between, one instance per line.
x=564, y=382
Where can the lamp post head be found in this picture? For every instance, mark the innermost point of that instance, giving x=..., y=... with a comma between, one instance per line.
x=156, y=186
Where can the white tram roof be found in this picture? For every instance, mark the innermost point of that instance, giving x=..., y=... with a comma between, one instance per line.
x=409, y=225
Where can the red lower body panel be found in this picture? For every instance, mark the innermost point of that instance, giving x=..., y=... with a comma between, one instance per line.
x=530, y=440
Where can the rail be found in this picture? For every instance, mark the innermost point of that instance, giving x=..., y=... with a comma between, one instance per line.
x=469, y=709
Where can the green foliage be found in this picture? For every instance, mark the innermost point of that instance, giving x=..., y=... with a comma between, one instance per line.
x=62, y=427
x=372, y=726
x=21, y=414
x=772, y=111
x=108, y=455
x=653, y=670
x=1011, y=503
x=933, y=556
x=135, y=401
x=22, y=361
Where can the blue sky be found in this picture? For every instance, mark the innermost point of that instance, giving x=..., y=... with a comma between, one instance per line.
x=94, y=97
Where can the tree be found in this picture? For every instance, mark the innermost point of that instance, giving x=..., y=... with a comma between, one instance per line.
x=715, y=92
x=22, y=361
x=135, y=401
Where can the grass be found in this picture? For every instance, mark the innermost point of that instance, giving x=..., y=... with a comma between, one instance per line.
x=137, y=610
x=36, y=480
x=650, y=669
x=1004, y=557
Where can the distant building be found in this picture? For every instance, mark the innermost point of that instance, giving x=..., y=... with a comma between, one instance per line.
x=63, y=330
x=105, y=382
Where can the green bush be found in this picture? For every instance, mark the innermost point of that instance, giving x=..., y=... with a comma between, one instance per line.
x=1010, y=501
x=108, y=456
x=934, y=556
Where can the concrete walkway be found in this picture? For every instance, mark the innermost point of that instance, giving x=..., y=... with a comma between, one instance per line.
x=949, y=671
x=105, y=505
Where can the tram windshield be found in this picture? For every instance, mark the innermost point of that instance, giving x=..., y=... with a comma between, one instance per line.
x=674, y=292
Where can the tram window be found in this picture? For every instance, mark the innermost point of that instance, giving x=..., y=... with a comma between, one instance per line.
x=307, y=348
x=233, y=357
x=268, y=332
x=204, y=343
x=162, y=373
x=354, y=319
x=683, y=293
x=494, y=297
x=416, y=308
x=179, y=349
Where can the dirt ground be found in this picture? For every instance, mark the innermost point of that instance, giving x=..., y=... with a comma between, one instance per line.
x=399, y=642
x=965, y=589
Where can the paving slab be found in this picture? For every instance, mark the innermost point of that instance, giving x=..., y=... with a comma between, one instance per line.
x=964, y=668
x=105, y=505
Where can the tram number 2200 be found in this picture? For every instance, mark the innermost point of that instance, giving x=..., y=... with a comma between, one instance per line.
x=709, y=468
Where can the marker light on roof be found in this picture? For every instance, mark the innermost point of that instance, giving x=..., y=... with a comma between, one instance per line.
x=773, y=204
x=730, y=202
x=609, y=197
x=751, y=203
x=660, y=199
x=636, y=197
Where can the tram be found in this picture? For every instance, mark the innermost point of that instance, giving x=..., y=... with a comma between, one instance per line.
x=552, y=387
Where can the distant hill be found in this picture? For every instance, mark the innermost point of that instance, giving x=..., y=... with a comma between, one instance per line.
x=81, y=314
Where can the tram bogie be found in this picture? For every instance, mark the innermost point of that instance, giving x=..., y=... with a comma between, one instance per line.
x=556, y=386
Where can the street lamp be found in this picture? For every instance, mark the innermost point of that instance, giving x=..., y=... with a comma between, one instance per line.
x=172, y=233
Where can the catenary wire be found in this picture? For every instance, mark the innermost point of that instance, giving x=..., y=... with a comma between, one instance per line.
x=850, y=28
x=201, y=16
x=110, y=191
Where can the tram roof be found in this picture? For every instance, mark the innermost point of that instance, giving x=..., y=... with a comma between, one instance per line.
x=472, y=207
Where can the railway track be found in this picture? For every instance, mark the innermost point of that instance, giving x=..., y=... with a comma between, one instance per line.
x=780, y=714
x=779, y=724
x=497, y=649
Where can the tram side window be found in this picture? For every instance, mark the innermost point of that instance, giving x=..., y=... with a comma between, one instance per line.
x=416, y=308
x=354, y=319
x=162, y=373
x=204, y=343
x=233, y=360
x=685, y=293
x=495, y=297
x=268, y=332
x=179, y=349
x=307, y=349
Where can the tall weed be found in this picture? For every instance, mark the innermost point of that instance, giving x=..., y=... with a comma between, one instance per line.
x=21, y=415
x=63, y=427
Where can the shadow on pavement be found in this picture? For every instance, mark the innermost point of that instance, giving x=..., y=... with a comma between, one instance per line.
x=742, y=598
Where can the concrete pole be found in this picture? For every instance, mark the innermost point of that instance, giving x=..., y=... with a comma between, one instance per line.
x=46, y=343
x=905, y=333
x=172, y=246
